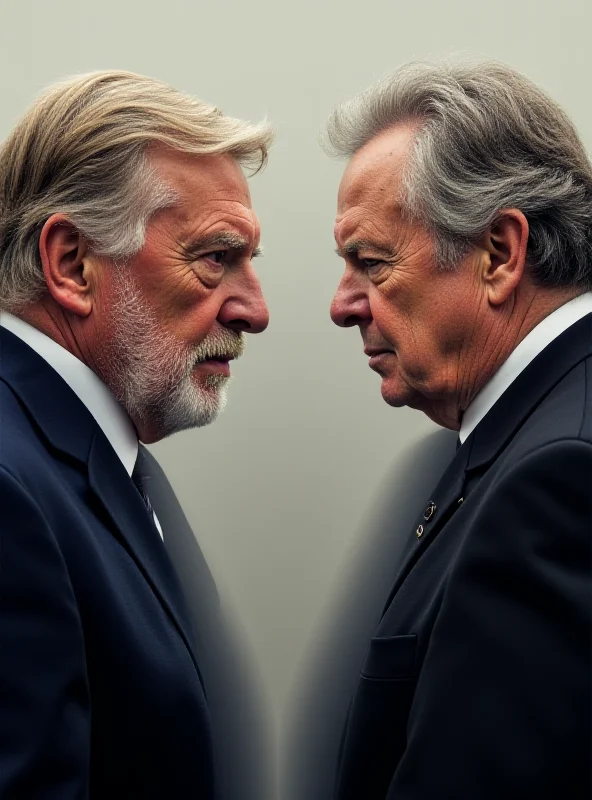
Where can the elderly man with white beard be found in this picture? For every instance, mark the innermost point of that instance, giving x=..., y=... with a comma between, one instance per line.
x=126, y=287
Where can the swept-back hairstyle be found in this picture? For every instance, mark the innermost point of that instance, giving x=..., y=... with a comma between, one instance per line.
x=487, y=138
x=81, y=149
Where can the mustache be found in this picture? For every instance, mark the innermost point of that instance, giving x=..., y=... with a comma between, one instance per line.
x=221, y=344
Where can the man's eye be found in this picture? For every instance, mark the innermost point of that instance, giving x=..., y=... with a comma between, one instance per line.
x=217, y=256
x=371, y=265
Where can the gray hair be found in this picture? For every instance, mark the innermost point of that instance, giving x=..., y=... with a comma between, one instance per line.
x=487, y=139
x=81, y=149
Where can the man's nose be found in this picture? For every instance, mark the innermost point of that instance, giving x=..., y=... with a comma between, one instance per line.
x=245, y=309
x=350, y=305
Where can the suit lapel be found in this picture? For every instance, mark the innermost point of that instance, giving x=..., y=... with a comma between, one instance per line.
x=136, y=531
x=439, y=508
x=195, y=579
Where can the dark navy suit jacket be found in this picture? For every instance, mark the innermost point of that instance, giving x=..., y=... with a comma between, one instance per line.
x=100, y=691
x=477, y=683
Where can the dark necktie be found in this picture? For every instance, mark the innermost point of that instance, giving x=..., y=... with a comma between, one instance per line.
x=140, y=479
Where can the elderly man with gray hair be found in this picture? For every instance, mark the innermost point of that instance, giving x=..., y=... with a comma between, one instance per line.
x=126, y=288
x=465, y=223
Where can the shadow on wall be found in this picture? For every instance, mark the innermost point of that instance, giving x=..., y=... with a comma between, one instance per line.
x=319, y=701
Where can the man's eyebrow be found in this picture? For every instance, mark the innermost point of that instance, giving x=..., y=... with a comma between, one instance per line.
x=352, y=248
x=224, y=240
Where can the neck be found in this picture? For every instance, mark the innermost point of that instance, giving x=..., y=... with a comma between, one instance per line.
x=487, y=348
x=510, y=325
x=51, y=319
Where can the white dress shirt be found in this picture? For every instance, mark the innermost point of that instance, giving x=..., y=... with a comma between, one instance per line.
x=533, y=343
x=90, y=389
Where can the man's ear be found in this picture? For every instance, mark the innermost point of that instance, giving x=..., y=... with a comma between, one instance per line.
x=67, y=267
x=505, y=244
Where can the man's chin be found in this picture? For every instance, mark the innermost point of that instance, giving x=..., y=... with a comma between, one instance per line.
x=215, y=383
x=194, y=405
x=397, y=393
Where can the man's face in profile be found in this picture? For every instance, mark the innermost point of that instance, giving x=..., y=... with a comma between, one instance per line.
x=175, y=313
x=414, y=318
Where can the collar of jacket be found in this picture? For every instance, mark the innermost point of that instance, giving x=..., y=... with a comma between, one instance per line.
x=529, y=389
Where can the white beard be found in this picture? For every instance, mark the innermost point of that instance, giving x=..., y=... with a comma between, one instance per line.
x=151, y=372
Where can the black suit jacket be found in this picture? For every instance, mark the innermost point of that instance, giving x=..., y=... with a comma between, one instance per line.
x=477, y=684
x=100, y=691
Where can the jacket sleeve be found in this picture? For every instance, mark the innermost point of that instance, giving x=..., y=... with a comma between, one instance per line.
x=44, y=699
x=502, y=707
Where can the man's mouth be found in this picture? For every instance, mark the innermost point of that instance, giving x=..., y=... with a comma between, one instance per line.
x=377, y=356
x=223, y=357
x=218, y=364
x=376, y=351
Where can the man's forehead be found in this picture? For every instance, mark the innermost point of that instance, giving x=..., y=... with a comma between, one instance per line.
x=377, y=167
x=370, y=189
x=212, y=195
x=201, y=178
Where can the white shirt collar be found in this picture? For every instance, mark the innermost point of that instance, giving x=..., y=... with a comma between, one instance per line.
x=96, y=396
x=533, y=343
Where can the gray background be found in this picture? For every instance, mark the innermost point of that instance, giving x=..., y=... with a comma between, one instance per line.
x=284, y=489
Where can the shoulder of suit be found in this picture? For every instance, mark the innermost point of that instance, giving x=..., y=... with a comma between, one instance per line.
x=565, y=413
x=24, y=451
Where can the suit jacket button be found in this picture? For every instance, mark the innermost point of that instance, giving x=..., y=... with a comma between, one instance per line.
x=430, y=510
x=419, y=531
